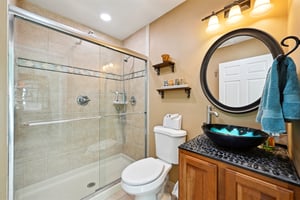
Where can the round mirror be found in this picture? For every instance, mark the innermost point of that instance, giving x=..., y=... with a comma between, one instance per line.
x=235, y=67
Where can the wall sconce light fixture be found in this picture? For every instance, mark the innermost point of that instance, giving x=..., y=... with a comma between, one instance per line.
x=260, y=7
x=233, y=12
x=213, y=23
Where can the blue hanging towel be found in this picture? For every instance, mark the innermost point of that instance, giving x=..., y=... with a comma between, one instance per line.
x=272, y=113
x=291, y=93
x=269, y=112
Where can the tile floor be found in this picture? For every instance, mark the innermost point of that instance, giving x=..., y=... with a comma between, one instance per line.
x=120, y=195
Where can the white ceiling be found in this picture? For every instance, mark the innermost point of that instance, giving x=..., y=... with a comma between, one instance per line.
x=128, y=16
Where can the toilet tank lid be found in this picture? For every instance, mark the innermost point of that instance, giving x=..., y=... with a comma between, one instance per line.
x=169, y=131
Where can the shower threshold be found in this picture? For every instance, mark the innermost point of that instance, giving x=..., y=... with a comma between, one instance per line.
x=105, y=192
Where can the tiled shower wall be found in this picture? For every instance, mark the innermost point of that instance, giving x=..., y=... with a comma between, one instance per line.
x=44, y=94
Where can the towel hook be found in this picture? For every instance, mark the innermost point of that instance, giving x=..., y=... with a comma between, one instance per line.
x=297, y=42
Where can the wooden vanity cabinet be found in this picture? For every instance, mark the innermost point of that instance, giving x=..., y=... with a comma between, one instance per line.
x=202, y=178
x=239, y=186
x=198, y=179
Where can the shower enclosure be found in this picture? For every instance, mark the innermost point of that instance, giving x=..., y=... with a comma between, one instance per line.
x=78, y=111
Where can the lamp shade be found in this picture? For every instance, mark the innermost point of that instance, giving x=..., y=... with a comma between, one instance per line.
x=235, y=14
x=213, y=23
x=261, y=7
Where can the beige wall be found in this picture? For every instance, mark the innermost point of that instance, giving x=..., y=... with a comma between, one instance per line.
x=182, y=34
x=294, y=29
x=3, y=100
x=138, y=41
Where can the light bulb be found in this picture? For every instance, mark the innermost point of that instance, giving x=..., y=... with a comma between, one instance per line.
x=261, y=7
x=213, y=23
x=235, y=14
x=105, y=17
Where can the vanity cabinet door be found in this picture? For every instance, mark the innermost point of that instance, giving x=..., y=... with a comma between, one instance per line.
x=239, y=186
x=197, y=179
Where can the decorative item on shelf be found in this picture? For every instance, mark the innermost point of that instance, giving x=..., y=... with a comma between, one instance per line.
x=166, y=83
x=181, y=81
x=170, y=82
x=174, y=84
x=164, y=64
x=269, y=144
x=165, y=57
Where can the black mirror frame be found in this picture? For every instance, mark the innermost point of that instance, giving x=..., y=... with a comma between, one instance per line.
x=267, y=39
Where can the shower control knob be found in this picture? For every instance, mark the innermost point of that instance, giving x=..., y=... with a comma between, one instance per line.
x=82, y=100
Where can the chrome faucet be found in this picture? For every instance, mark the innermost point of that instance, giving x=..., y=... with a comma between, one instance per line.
x=209, y=113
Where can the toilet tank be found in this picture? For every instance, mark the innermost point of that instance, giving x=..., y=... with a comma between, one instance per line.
x=167, y=141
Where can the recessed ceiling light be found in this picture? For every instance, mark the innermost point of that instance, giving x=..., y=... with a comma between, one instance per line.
x=105, y=17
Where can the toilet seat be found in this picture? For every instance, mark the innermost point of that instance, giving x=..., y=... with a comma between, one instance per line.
x=142, y=171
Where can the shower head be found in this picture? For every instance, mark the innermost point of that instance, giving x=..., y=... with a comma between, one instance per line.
x=91, y=33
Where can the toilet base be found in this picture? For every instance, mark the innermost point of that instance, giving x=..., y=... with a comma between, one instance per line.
x=159, y=195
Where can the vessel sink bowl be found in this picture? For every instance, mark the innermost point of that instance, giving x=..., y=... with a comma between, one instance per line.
x=234, y=137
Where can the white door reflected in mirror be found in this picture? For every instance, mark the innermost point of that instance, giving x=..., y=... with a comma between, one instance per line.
x=241, y=81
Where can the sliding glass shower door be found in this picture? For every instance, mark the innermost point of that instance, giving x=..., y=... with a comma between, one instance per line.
x=79, y=116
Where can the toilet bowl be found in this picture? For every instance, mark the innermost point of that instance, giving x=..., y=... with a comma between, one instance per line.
x=145, y=178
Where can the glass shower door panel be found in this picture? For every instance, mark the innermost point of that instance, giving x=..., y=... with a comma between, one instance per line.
x=57, y=117
x=122, y=127
x=110, y=134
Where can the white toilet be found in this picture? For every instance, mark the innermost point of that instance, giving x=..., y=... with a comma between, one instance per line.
x=145, y=178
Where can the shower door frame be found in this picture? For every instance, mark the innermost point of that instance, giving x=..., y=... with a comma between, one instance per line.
x=16, y=12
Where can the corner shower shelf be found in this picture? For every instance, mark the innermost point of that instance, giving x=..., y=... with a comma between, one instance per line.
x=120, y=105
x=186, y=88
x=120, y=102
x=164, y=64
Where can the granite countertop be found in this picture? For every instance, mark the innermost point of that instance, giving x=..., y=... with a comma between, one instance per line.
x=275, y=163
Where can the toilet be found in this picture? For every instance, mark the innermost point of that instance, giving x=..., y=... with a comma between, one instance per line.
x=145, y=178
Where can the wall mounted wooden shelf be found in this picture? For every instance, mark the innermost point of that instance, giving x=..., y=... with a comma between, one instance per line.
x=164, y=64
x=187, y=90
